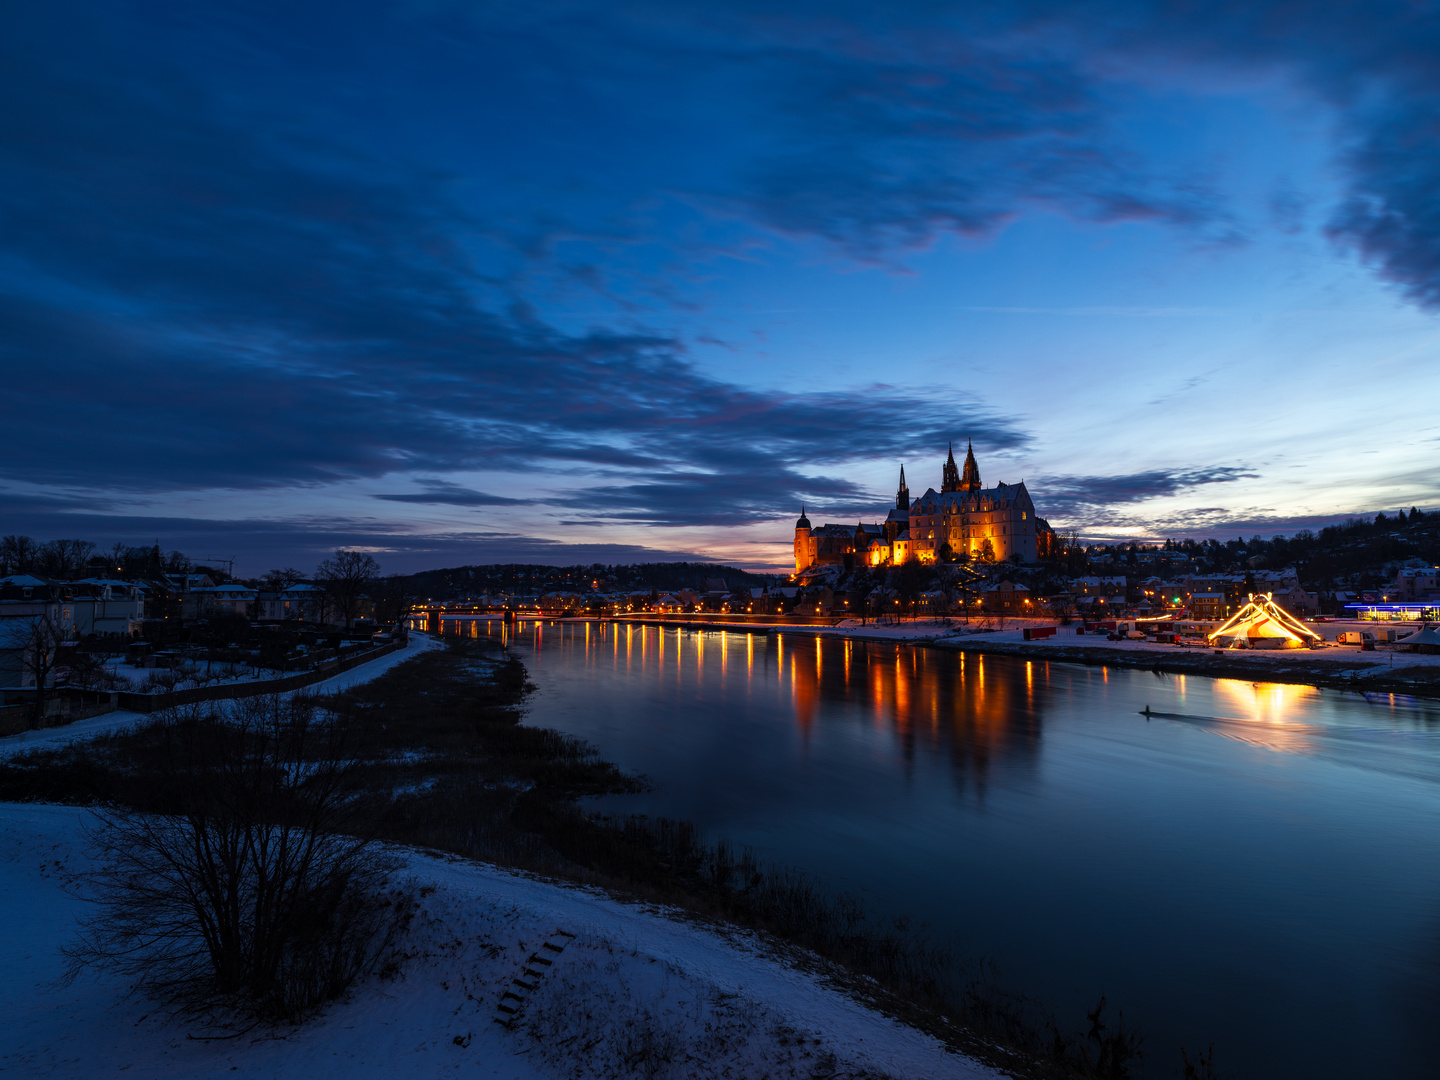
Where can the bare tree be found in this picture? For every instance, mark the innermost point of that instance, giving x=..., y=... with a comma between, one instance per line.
x=18, y=555
x=345, y=576
x=119, y=556
x=392, y=598
x=1074, y=551
x=34, y=642
x=65, y=558
x=87, y=671
x=250, y=885
x=280, y=580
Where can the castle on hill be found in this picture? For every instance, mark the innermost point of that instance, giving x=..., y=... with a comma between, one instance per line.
x=961, y=519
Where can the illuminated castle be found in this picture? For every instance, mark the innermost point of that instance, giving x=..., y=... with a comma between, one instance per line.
x=962, y=518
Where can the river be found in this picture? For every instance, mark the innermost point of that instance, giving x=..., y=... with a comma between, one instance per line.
x=1253, y=865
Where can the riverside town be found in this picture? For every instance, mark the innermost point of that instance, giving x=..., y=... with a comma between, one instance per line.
x=963, y=623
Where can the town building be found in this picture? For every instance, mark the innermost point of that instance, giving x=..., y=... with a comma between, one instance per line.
x=962, y=520
x=107, y=607
x=1007, y=598
x=208, y=601
x=1417, y=583
x=300, y=602
x=1210, y=606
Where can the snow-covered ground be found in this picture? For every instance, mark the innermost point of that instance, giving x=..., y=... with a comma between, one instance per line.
x=628, y=991
x=1384, y=655
x=115, y=721
x=137, y=678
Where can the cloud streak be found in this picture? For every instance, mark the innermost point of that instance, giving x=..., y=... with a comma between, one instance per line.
x=1088, y=498
x=444, y=493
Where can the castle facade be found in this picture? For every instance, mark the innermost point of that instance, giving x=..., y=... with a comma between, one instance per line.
x=962, y=519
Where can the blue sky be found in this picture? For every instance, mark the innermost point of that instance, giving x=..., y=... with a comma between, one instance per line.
x=574, y=282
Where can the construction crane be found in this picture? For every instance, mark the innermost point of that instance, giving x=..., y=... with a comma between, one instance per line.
x=211, y=560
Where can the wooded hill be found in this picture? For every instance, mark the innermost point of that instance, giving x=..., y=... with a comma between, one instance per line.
x=528, y=578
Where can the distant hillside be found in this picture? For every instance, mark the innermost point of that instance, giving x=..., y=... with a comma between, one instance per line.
x=1363, y=550
x=460, y=581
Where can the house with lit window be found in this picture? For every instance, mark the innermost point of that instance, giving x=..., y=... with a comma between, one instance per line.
x=301, y=602
x=1006, y=598
x=1209, y=606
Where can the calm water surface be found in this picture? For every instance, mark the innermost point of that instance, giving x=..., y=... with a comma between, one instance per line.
x=1258, y=867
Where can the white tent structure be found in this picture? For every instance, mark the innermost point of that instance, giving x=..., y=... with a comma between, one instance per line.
x=1263, y=624
x=1426, y=640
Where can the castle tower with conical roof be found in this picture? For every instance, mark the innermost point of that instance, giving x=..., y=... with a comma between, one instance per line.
x=804, y=546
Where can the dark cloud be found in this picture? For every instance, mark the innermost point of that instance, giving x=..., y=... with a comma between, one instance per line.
x=216, y=301
x=444, y=493
x=1376, y=66
x=735, y=498
x=1392, y=215
x=20, y=502
x=883, y=148
x=1087, y=498
x=1213, y=522
x=895, y=128
x=216, y=270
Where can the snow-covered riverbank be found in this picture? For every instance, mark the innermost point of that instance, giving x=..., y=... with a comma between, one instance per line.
x=633, y=990
x=120, y=719
x=1386, y=670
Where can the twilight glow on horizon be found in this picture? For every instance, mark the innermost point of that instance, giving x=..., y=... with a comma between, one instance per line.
x=571, y=282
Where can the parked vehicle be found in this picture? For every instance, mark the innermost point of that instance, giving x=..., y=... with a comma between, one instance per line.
x=1364, y=638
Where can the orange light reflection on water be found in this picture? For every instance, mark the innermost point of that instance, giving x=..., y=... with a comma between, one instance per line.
x=973, y=711
x=1263, y=714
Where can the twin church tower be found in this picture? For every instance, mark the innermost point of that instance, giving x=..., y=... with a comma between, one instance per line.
x=962, y=518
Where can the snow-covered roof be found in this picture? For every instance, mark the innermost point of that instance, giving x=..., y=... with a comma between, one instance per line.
x=23, y=581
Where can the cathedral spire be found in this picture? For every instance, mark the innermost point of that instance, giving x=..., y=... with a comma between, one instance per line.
x=970, y=479
x=902, y=495
x=950, y=478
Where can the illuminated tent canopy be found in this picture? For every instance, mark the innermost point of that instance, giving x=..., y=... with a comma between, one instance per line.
x=1263, y=624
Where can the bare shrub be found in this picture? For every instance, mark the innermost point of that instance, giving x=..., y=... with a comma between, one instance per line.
x=160, y=679
x=249, y=883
